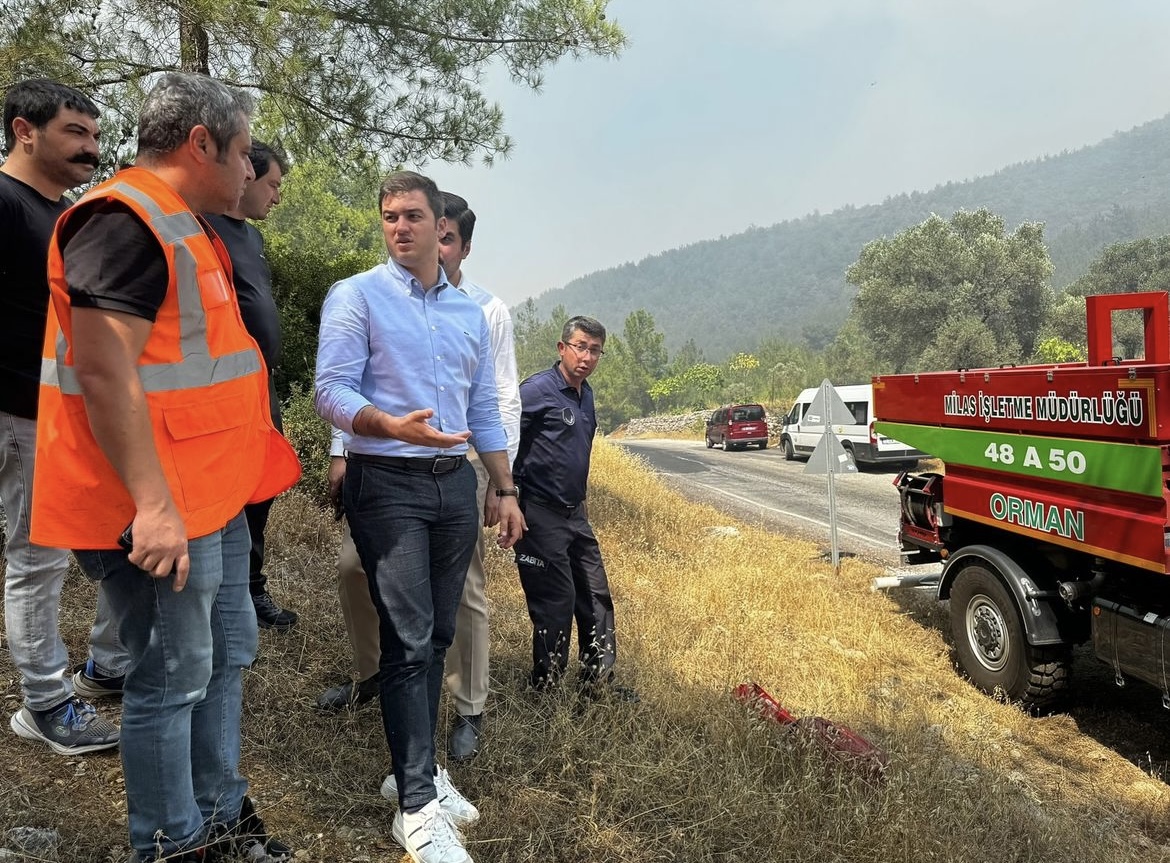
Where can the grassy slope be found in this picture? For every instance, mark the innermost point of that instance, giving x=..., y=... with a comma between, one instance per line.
x=687, y=775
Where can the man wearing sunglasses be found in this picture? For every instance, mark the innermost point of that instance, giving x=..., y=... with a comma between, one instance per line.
x=559, y=559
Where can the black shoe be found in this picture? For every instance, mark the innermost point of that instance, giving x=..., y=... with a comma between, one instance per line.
x=463, y=744
x=348, y=694
x=248, y=840
x=271, y=616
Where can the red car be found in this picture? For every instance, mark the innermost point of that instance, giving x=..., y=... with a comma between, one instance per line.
x=737, y=426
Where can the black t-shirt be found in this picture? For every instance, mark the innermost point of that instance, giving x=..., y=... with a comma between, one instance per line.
x=113, y=261
x=252, y=280
x=26, y=225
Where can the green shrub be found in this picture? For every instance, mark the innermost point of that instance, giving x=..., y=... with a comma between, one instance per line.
x=301, y=277
x=309, y=435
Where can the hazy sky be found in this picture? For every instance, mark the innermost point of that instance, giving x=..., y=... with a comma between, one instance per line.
x=719, y=116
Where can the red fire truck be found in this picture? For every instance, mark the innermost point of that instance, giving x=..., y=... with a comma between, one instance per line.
x=1052, y=515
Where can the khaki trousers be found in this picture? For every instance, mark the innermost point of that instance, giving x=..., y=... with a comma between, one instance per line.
x=467, y=659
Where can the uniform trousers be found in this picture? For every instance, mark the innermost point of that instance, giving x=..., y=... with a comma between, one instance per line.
x=563, y=577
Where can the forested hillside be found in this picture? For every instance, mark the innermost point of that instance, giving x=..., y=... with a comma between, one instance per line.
x=788, y=280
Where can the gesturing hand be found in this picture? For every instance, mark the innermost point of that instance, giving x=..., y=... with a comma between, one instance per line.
x=414, y=428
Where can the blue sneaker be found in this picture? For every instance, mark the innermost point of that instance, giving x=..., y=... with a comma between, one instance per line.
x=72, y=728
x=89, y=684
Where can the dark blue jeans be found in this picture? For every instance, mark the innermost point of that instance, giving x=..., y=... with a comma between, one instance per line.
x=414, y=533
x=181, y=703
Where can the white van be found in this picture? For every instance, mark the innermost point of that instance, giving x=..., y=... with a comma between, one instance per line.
x=802, y=432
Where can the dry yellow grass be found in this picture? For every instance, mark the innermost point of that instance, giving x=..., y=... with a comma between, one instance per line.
x=687, y=775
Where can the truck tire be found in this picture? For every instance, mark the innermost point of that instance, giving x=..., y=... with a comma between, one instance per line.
x=789, y=452
x=990, y=642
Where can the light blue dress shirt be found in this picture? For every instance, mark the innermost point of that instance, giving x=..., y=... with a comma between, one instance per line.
x=387, y=342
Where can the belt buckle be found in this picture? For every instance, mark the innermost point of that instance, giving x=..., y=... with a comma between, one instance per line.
x=443, y=464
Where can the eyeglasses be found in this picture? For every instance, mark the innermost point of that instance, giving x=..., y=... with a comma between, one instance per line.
x=596, y=353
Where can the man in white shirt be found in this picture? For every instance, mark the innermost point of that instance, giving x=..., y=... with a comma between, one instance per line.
x=467, y=666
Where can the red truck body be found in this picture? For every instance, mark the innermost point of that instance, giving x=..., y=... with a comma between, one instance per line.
x=1053, y=516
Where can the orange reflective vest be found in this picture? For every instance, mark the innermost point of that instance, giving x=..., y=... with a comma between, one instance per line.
x=205, y=382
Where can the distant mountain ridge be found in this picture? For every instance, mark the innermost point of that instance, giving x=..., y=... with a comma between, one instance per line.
x=788, y=280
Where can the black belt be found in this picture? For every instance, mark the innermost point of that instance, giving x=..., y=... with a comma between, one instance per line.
x=438, y=464
x=548, y=503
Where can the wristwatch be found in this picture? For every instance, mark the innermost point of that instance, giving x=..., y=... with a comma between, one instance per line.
x=508, y=492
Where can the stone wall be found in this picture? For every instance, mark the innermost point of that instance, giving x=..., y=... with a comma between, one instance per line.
x=664, y=423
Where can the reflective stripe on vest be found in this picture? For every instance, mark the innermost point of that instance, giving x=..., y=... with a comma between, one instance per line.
x=197, y=368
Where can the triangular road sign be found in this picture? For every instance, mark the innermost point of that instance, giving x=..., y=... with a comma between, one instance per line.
x=834, y=409
x=829, y=451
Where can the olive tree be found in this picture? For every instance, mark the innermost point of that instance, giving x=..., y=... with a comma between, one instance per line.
x=952, y=292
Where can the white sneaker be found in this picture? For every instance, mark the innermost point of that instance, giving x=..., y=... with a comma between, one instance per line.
x=459, y=809
x=428, y=837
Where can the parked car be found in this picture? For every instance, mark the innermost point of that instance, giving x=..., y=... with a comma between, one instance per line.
x=802, y=430
x=737, y=426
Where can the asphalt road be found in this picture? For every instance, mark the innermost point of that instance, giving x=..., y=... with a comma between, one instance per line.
x=759, y=487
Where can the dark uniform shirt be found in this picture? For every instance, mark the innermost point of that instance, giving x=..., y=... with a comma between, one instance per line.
x=556, y=438
x=252, y=280
x=26, y=225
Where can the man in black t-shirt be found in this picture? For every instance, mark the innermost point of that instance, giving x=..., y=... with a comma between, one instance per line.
x=252, y=280
x=51, y=134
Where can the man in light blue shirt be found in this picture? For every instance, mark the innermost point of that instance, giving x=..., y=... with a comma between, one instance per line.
x=404, y=369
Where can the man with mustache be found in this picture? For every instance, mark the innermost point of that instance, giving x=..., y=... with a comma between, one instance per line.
x=51, y=134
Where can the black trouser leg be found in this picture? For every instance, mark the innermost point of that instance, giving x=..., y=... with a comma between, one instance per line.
x=257, y=516
x=597, y=645
x=542, y=558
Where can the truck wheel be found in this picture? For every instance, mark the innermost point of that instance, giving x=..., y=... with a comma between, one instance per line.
x=710, y=443
x=763, y=444
x=852, y=458
x=726, y=445
x=990, y=642
x=789, y=452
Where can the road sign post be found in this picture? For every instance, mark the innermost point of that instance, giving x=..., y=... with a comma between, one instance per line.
x=829, y=457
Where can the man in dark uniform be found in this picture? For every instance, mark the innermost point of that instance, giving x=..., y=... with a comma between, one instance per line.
x=253, y=283
x=559, y=559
